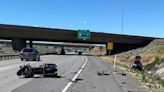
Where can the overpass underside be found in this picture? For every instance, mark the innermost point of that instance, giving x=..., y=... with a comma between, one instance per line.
x=18, y=44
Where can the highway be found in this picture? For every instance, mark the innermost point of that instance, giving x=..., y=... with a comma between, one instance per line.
x=77, y=74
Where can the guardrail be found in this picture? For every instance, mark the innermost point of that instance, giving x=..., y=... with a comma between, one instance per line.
x=8, y=57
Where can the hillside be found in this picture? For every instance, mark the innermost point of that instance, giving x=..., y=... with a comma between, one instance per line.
x=97, y=50
x=149, y=53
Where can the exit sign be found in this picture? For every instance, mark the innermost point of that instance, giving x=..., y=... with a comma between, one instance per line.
x=83, y=34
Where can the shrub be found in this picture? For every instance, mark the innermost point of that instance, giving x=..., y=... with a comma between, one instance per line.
x=161, y=82
x=151, y=65
x=157, y=78
x=160, y=49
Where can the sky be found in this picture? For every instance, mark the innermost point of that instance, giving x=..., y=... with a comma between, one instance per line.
x=140, y=17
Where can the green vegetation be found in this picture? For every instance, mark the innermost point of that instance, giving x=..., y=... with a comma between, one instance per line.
x=161, y=82
x=144, y=79
x=160, y=49
x=150, y=81
x=152, y=65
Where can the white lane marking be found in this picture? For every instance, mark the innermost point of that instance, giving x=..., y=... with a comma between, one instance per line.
x=74, y=78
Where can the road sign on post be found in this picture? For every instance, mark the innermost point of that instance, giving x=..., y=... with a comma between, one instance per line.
x=110, y=46
x=83, y=34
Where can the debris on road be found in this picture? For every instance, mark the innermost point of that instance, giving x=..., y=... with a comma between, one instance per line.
x=76, y=80
x=123, y=74
x=102, y=73
x=123, y=82
x=131, y=91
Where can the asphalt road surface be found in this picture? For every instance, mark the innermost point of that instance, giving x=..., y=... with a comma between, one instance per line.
x=76, y=74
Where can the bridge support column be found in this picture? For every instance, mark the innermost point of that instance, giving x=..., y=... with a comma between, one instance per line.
x=18, y=43
x=30, y=43
x=62, y=52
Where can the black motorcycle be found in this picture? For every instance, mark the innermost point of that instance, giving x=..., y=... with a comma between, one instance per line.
x=43, y=69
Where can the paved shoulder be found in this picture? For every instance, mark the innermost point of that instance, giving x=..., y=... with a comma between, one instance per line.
x=96, y=77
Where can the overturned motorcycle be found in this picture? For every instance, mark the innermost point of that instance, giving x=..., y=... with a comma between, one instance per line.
x=45, y=69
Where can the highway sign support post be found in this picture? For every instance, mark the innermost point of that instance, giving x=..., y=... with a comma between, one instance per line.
x=83, y=34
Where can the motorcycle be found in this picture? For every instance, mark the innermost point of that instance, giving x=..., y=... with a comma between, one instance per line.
x=45, y=69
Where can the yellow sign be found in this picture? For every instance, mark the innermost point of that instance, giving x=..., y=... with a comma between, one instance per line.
x=110, y=46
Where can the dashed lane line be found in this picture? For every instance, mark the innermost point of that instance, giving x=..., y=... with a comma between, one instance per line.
x=75, y=77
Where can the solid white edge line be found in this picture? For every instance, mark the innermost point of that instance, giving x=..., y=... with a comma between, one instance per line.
x=74, y=78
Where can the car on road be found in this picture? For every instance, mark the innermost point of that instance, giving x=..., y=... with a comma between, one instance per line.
x=29, y=54
x=80, y=52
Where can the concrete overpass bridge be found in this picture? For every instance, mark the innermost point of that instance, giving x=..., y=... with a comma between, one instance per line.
x=19, y=34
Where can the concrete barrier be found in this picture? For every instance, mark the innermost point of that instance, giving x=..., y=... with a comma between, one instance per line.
x=8, y=57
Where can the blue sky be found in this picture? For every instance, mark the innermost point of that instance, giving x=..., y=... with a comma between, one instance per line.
x=141, y=17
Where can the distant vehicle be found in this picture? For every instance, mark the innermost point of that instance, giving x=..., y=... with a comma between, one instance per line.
x=80, y=52
x=29, y=54
x=45, y=69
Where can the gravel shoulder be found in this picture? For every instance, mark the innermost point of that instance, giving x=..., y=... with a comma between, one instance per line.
x=126, y=81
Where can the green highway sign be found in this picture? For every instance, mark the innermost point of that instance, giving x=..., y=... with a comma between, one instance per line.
x=83, y=34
